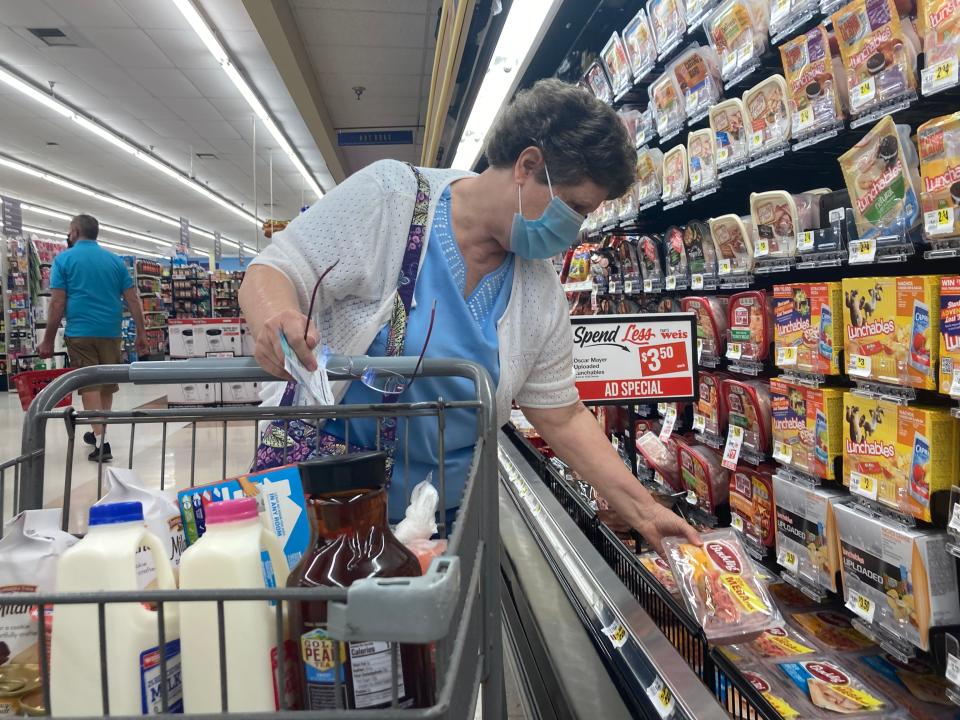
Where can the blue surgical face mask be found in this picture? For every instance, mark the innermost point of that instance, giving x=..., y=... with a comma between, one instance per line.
x=552, y=233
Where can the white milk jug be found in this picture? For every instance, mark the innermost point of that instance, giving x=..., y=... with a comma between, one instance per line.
x=228, y=556
x=105, y=559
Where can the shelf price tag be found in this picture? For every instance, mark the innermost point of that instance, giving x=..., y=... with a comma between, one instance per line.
x=859, y=366
x=662, y=409
x=789, y=559
x=953, y=669
x=699, y=349
x=731, y=452
x=595, y=299
x=805, y=118
x=612, y=287
x=787, y=355
x=863, y=252
x=648, y=285
x=725, y=267
x=782, y=452
x=762, y=248
x=696, y=281
x=695, y=179
x=669, y=420
x=864, y=93
x=729, y=62
x=662, y=699
x=628, y=287
x=938, y=222
x=734, y=351
x=805, y=241
x=641, y=137
x=756, y=140
x=955, y=384
x=744, y=54
x=670, y=283
x=954, y=524
x=780, y=10
x=736, y=522
x=723, y=154
x=863, y=485
x=861, y=605
x=939, y=76
x=617, y=634
x=700, y=424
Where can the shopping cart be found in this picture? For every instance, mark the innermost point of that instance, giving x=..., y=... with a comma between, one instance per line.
x=29, y=383
x=455, y=606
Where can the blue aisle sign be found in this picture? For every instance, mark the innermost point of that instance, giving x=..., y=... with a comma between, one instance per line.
x=375, y=137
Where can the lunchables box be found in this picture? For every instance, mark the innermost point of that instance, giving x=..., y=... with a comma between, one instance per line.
x=751, y=499
x=808, y=332
x=806, y=532
x=899, y=455
x=950, y=334
x=703, y=475
x=807, y=427
x=939, y=143
x=750, y=325
x=906, y=577
x=890, y=329
x=748, y=405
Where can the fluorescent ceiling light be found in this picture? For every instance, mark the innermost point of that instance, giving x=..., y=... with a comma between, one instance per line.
x=36, y=209
x=520, y=31
x=105, y=243
x=220, y=54
x=118, y=141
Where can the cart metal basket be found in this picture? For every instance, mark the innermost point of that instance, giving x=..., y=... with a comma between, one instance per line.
x=455, y=606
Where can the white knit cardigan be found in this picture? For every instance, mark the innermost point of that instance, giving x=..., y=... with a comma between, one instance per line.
x=364, y=223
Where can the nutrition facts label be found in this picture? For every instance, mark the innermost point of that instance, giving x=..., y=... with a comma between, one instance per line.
x=371, y=667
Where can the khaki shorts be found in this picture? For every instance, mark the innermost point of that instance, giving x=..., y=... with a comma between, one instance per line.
x=90, y=351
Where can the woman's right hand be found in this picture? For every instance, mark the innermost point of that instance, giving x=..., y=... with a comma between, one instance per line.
x=268, y=351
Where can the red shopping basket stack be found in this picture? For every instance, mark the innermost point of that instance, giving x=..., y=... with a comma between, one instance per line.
x=30, y=383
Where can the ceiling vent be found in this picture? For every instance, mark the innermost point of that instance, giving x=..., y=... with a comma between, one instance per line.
x=206, y=156
x=54, y=37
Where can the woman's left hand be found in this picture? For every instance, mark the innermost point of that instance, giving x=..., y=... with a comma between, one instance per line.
x=662, y=523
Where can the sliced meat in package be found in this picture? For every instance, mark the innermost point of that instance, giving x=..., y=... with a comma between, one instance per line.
x=676, y=178
x=712, y=404
x=701, y=254
x=729, y=125
x=829, y=687
x=917, y=686
x=748, y=406
x=750, y=324
x=697, y=73
x=617, y=64
x=711, y=312
x=639, y=44
x=702, y=475
x=734, y=244
x=751, y=498
x=701, y=155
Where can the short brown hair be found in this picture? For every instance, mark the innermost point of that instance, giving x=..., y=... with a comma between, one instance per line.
x=581, y=137
x=87, y=226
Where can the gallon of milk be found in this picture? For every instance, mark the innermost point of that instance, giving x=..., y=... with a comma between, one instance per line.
x=228, y=556
x=105, y=559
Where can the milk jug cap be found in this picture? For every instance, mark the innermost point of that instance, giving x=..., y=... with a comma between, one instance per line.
x=228, y=511
x=112, y=513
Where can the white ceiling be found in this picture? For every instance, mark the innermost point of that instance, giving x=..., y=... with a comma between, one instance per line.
x=142, y=71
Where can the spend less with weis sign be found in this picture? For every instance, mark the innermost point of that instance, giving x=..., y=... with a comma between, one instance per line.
x=621, y=358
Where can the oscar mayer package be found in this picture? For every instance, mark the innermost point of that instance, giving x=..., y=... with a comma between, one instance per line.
x=750, y=322
x=939, y=25
x=832, y=629
x=807, y=427
x=768, y=117
x=702, y=475
x=649, y=174
x=639, y=44
x=698, y=78
x=711, y=315
x=701, y=254
x=712, y=405
x=675, y=177
x=719, y=587
x=939, y=142
x=906, y=575
x=648, y=250
x=882, y=177
x=808, y=332
x=806, y=532
x=748, y=405
x=829, y=687
x=775, y=222
x=899, y=455
x=733, y=244
x=674, y=253
x=667, y=103
x=660, y=570
x=949, y=334
x=728, y=122
x=808, y=69
x=878, y=56
x=751, y=499
x=917, y=686
x=617, y=64
x=737, y=31
x=668, y=23
x=701, y=155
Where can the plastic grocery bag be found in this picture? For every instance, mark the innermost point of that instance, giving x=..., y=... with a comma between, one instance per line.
x=32, y=543
x=420, y=524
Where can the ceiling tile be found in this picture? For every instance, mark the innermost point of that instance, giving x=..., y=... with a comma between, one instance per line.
x=151, y=14
x=30, y=13
x=184, y=48
x=411, y=6
x=362, y=29
x=373, y=112
x=165, y=83
x=171, y=129
x=349, y=60
x=213, y=130
x=341, y=85
x=228, y=15
x=110, y=81
x=128, y=47
x=191, y=109
x=145, y=108
x=93, y=13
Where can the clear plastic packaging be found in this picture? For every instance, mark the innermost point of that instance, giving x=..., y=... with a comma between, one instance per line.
x=729, y=125
x=832, y=629
x=814, y=99
x=629, y=118
x=808, y=209
x=617, y=64
x=660, y=456
x=737, y=31
x=702, y=474
x=712, y=405
x=701, y=155
x=667, y=22
x=774, y=689
x=666, y=102
x=701, y=254
x=750, y=319
x=829, y=687
x=675, y=177
x=659, y=568
x=751, y=498
x=732, y=242
x=916, y=686
x=674, y=253
x=879, y=56
x=939, y=141
x=882, y=175
x=767, y=113
x=807, y=529
x=711, y=315
x=748, y=405
x=627, y=204
x=648, y=250
x=646, y=127
x=649, y=174
x=639, y=44
x=596, y=79
x=775, y=220
x=719, y=587
x=629, y=262
x=939, y=25
x=697, y=73
x=419, y=524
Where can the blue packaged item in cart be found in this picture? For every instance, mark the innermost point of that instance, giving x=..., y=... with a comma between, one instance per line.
x=279, y=495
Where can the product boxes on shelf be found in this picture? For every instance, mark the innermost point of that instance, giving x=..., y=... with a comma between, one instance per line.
x=890, y=329
x=901, y=579
x=194, y=394
x=205, y=337
x=900, y=455
x=806, y=532
x=950, y=335
x=808, y=333
x=279, y=495
x=807, y=427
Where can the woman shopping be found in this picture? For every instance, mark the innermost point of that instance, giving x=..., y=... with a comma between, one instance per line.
x=399, y=260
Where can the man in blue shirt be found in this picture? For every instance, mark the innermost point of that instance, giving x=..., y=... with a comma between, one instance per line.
x=86, y=284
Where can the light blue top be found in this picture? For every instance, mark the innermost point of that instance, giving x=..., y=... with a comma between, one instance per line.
x=462, y=329
x=94, y=280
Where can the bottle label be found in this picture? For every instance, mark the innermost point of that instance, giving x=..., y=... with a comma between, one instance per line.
x=151, y=690
x=320, y=668
x=372, y=673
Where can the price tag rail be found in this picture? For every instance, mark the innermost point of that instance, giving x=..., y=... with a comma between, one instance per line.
x=801, y=377
x=798, y=477
x=695, y=20
x=732, y=167
x=738, y=281
x=704, y=281
x=896, y=646
x=692, y=120
x=888, y=106
x=815, y=593
x=648, y=205
x=708, y=438
x=769, y=153
x=821, y=259
x=755, y=549
x=939, y=77
x=796, y=19
x=674, y=202
x=884, y=391
x=752, y=457
x=670, y=132
x=710, y=360
x=828, y=6
x=816, y=135
x=753, y=368
x=771, y=265
x=879, y=511
x=942, y=248
x=696, y=515
x=743, y=72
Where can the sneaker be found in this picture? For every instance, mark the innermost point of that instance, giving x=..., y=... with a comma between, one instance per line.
x=90, y=438
x=101, y=453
